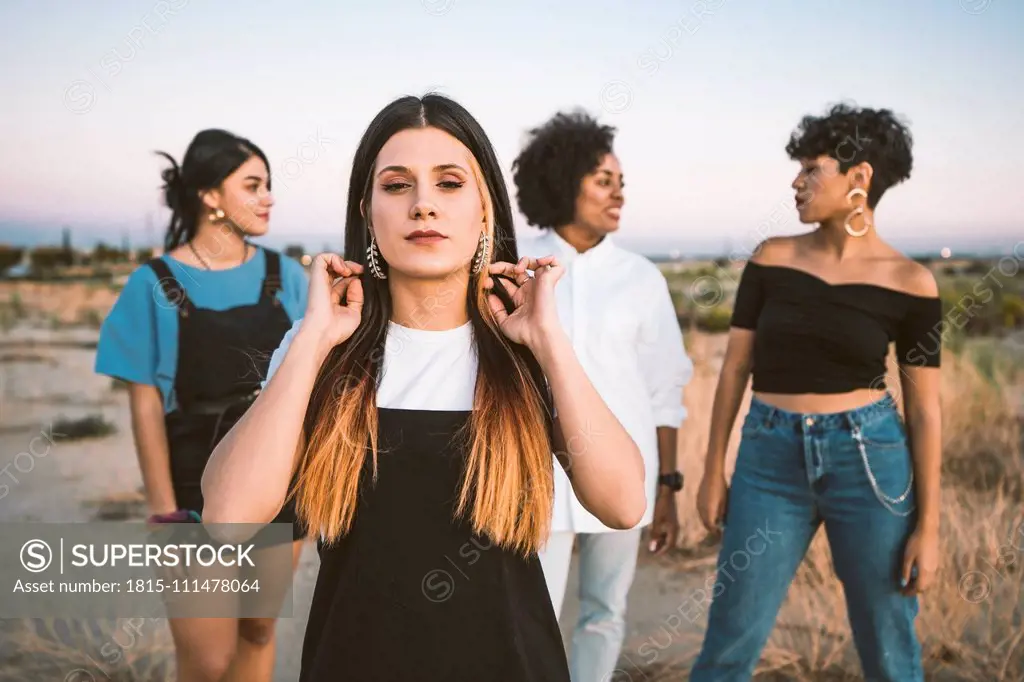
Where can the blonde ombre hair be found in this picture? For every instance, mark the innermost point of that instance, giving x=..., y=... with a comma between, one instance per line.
x=507, y=486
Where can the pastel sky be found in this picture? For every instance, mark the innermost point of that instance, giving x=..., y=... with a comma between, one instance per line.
x=704, y=94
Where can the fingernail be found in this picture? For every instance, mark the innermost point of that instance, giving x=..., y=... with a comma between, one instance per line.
x=903, y=582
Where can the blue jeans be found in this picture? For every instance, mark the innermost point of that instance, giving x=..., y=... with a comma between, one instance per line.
x=851, y=470
x=607, y=563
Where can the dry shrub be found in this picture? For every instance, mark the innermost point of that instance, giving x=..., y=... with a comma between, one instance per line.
x=981, y=433
x=971, y=622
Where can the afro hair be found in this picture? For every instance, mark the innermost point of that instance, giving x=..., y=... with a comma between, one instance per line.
x=550, y=168
x=852, y=135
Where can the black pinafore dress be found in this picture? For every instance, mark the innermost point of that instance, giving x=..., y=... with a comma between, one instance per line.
x=411, y=595
x=223, y=356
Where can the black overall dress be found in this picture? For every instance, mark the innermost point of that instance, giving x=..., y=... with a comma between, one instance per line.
x=411, y=595
x=223, y=356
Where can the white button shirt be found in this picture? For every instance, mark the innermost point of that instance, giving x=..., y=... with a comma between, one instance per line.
x=616, y=308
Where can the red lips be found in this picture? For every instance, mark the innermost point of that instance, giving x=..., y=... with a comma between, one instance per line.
x=425, y=234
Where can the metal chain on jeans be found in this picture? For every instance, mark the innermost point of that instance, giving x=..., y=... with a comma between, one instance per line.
x=882, y=497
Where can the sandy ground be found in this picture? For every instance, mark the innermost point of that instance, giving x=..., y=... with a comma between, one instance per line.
x=46, y=375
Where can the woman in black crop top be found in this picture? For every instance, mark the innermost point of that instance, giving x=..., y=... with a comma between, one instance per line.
x=823, y=442
x=419, y=401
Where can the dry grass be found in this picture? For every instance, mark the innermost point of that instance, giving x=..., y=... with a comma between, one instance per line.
x=971, y=623
x=127, y=650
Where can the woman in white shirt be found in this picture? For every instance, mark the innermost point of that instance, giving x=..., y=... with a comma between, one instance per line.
x=620, y=318
x=416, y=403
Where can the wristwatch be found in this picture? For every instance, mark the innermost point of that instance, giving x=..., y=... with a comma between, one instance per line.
x=673, y=481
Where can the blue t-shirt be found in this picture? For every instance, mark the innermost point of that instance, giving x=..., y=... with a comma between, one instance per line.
x=139, y=338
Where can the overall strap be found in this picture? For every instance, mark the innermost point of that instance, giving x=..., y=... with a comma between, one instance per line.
x=169, y=283
x=272, y=278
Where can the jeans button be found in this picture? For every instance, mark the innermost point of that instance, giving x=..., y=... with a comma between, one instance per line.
x=809, y=421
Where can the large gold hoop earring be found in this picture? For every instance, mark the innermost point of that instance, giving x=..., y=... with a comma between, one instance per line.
x=856, y=212
x=373, y=259
x=482, y=256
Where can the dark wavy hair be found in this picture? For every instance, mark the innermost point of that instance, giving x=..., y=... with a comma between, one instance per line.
x=852, y=135
x=507, y=479
x=211, y=157
x=548, y=171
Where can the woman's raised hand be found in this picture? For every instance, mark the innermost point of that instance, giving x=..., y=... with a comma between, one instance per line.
x=535, y=314
x=331, y=281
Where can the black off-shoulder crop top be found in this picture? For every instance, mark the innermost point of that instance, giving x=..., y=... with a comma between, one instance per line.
x=817, y=337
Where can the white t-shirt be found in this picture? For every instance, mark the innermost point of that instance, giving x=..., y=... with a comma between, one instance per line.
x=422, y=370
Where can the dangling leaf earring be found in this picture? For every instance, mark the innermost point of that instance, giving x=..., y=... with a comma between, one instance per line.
x=482, y=256
x=373, y=259
x=856, y=212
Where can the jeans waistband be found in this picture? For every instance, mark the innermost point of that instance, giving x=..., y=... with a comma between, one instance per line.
x=823, y=421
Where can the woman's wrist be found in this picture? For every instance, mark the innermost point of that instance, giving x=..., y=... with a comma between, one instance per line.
x=549, y=343
x=928, y=524
x=313, y=338
x=158, y=508
x=714, y=462
x=928, y=517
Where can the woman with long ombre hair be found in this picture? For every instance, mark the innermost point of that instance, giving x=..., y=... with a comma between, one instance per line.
x=418, y=402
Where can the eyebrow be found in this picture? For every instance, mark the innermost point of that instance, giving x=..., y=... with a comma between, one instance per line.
x=436, y=169
x=254, y=177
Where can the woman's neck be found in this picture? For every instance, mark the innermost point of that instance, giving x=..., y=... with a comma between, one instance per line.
x=220, y=245
x=430, y=305
x=580, y=237
x=833, y=237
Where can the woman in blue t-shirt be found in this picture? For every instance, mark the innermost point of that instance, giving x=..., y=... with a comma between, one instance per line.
x=192, y=333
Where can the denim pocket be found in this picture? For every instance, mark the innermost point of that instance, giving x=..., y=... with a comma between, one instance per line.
x=754, y=426
x=889, y=471
x=884, y=432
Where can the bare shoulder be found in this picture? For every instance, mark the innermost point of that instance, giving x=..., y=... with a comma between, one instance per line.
x=777, y=250
x=915, y=278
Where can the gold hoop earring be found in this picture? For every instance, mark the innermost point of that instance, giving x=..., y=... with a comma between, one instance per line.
x=482, y=256
x=856, y=212
x=216, y=216
x=373, y=259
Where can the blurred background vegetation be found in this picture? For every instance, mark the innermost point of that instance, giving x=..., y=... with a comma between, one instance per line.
x=980, y=297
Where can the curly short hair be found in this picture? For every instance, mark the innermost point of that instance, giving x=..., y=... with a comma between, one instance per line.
x=550, y=168
x=853, y=135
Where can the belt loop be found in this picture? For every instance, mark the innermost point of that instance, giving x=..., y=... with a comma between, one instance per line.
x=851, y=423
x=769, y=419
